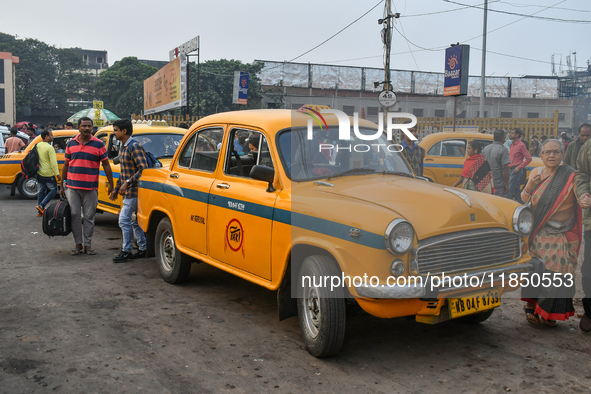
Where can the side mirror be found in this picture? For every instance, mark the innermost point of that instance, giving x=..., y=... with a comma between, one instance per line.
x=265, y=174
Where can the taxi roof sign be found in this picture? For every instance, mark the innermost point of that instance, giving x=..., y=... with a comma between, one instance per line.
x=157, y=123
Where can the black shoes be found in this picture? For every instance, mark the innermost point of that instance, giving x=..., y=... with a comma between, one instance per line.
x=141, y=254
x=122, y=257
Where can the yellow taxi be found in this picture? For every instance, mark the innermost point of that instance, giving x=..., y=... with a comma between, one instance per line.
x=157, y=137
x=290, y=206
x=10, y=164
x=445, y=154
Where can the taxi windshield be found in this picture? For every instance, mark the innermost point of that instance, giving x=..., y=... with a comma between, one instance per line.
x=160, y=145
x=325, y=156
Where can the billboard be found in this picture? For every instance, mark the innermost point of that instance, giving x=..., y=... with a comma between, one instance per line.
x=240, y=94
x=166, y=89
x=457, y=61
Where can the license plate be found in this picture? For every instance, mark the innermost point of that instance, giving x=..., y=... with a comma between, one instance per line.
x=474, y=303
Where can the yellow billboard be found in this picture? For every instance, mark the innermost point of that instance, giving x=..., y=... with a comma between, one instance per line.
x=166, y=90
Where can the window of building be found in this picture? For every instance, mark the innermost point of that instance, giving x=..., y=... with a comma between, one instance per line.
x=271, y=105
x=561, y=116
x=485, y=114
x=461, y=114
x=533, y=115
x=85, y=58
x=349, y=109
x=506, y=114
x=440, y=113
x=2, y=71
x=99, y=59
x=296, y=106
x=417, y=112
x=372, y=111
x=2, y=102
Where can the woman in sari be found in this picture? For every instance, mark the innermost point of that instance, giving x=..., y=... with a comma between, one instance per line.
x=556, y=236
x=476, y=174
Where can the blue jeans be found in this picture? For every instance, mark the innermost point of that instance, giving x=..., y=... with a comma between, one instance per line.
x=129, y=226
x=515, y=185
x=47, y=190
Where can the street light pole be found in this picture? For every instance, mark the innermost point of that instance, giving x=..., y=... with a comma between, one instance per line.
x=483, y=69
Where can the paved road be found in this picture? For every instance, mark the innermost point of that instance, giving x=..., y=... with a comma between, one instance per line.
x=76, y=324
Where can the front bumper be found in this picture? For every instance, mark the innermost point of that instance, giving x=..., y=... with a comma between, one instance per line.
x=434, y=287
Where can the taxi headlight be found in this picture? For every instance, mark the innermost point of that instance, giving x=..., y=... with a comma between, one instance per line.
x=399, y=236
x=523, y=220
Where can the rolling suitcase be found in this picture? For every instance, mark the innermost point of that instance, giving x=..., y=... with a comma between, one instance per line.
x=57, y=219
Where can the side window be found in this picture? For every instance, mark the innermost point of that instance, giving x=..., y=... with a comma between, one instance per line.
x=103, y=137
x=247, y=149
x=59, y=144
x=453, y=148
x=113, y=147
x=206, y=153
x=484, y=143
x=435, y=150
x=187, y=153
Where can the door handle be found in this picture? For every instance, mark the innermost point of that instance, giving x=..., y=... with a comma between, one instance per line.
x=428, y=159
x=175, y=176
x=223, y=186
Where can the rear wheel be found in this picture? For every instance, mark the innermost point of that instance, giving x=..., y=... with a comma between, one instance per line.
x=28, y=188
x=174, y=266
x=321, y=312
x=476, y=318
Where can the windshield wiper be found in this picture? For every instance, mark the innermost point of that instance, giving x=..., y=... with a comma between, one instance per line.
x=406, y=174
x=352, y=170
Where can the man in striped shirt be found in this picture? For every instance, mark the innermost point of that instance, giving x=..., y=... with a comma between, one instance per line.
x=84, y=154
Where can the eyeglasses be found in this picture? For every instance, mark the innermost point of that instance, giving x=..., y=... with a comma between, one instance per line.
x=551, y=152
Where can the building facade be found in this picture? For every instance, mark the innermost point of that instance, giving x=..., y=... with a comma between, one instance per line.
x=7, y=88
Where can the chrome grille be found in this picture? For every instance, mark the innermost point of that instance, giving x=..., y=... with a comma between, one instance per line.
x=467, y=250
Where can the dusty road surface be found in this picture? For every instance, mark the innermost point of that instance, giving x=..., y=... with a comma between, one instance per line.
x=81, y=324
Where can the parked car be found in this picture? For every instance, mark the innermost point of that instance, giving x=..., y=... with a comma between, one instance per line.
x=10, y=165
x=157, y=137
x=295, y=209
x=445, y=154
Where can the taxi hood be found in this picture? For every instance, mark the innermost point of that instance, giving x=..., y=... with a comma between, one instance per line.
x=430, y=208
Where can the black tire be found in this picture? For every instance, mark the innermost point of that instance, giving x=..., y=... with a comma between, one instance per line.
x=321, y=312
x=174, y=266
x=476, y=318
x=28, y=188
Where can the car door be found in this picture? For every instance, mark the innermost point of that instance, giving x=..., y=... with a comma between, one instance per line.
x=241, y=208
x=112, y=146
x=189, y=184
x=446, y=159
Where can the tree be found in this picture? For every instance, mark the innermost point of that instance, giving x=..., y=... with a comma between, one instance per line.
x=217, y=86
x=46, y=76
x=121, y=86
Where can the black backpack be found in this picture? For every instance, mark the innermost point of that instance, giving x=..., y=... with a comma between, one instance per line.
x=30, y=163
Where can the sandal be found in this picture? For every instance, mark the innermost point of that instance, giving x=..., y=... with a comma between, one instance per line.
x=549, y=322
x=531, y=316
x=76, y=252
x=90, y=252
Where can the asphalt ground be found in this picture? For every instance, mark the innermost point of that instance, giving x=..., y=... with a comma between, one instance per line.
x=81, y=324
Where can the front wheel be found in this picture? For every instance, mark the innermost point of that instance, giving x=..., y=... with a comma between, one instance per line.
x=28, y=188
x=321, y=312
x=174, y=266
x=476, y=317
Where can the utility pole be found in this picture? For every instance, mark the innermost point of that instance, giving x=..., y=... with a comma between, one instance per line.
x=483, y=69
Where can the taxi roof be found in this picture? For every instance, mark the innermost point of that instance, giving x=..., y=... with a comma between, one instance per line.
x=454, y=134
x=146, y=128
x=270, y=119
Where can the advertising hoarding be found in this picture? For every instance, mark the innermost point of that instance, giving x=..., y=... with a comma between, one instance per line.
x=457, y=61
x=166, y=89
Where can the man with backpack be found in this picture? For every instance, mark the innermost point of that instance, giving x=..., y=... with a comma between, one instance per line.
x=132, y=159
x=48, y=171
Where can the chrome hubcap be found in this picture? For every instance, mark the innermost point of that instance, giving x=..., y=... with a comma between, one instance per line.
x=312, y=312
x=167, y=251
x=31, y=187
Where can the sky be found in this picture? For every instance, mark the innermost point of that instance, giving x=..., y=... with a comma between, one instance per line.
x=278, y=30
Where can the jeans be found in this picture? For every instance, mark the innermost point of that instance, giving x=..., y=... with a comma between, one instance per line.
x=47, y=190
x=129, y=227
x=515, y=185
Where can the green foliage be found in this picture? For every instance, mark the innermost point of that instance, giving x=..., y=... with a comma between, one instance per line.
x=217, y=85
x=45, y=76
x=121, y=86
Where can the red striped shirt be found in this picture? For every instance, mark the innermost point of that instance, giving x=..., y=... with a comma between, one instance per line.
x=84, y=162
